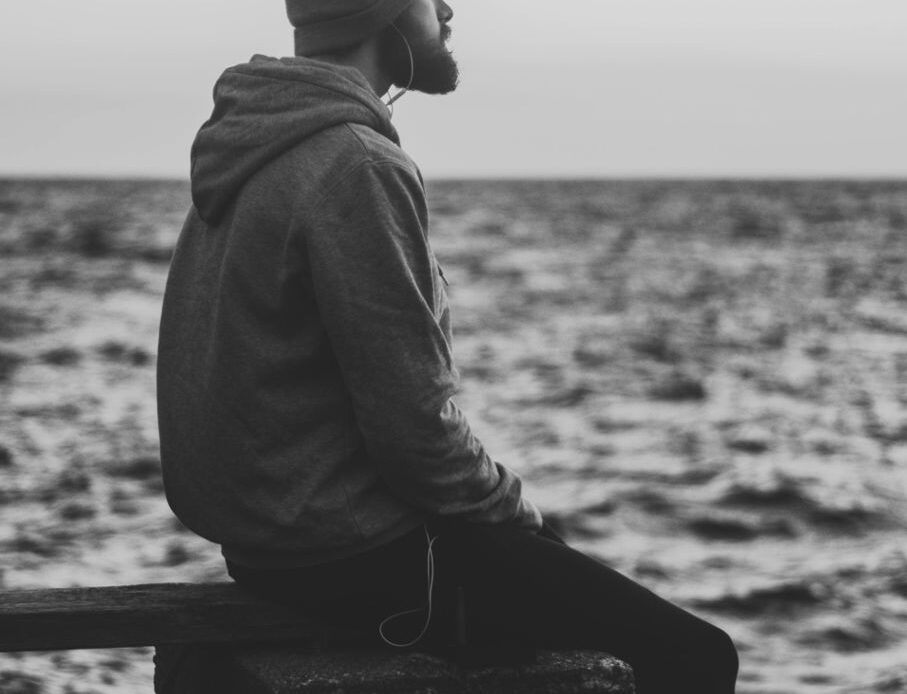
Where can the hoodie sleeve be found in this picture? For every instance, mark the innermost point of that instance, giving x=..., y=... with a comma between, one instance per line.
x=375, y=282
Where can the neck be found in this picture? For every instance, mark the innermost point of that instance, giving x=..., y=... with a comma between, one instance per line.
x=365, y=58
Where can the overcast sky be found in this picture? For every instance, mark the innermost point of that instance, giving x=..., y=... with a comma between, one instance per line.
x=555, y=88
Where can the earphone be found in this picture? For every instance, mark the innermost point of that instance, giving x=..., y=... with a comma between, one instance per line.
x=412, y=71
x=430, y=580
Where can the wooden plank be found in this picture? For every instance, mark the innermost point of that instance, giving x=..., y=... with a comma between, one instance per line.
x=145, y=615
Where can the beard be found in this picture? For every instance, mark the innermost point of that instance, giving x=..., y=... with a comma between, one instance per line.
x=434, y=69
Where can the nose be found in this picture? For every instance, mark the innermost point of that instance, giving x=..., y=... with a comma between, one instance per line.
x=445, y=12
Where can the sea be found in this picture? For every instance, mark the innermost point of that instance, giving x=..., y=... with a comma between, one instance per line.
x=703, y=383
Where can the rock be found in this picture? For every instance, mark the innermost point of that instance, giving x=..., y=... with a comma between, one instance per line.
x=270, y=671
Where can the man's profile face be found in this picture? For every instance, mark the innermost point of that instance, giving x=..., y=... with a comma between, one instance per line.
x=425, y=25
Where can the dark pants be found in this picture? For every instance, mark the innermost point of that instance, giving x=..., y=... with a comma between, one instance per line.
x=500, y=592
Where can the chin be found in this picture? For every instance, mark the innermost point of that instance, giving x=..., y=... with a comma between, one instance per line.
x=437, y=73
x=436, y=69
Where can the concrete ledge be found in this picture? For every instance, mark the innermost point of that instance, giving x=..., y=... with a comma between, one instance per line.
x=284, y=671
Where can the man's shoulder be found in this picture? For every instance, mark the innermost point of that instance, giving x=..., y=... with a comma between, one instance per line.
x=338, y=150
x=376, y=147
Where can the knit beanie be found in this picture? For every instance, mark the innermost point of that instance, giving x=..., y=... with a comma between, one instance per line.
x=324, y=26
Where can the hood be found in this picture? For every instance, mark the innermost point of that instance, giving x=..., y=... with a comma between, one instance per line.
x=264, y=108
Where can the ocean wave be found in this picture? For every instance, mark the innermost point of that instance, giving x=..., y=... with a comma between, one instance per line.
x=780, y=493
x=736, y=529
x=773, y=598
x=828, y=510
x=846, y=635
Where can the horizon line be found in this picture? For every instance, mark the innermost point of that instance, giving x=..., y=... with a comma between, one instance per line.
x=578, y=177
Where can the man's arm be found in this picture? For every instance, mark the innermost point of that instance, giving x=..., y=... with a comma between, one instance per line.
x=372, y=271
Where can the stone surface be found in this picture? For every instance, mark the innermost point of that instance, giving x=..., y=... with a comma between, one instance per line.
x=287, y=671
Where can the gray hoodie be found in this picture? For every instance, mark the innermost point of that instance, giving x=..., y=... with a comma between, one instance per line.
x=304, y=371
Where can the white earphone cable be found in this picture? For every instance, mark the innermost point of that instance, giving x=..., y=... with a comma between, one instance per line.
x=430, y=575
x=412, y=71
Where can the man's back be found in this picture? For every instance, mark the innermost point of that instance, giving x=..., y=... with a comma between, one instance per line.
x=304, y=366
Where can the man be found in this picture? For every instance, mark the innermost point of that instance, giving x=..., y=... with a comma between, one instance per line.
x=306, y=376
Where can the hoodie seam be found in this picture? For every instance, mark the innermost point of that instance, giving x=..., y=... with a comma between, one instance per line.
x=348, y=173
x=349, y=507
x=365, y=149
